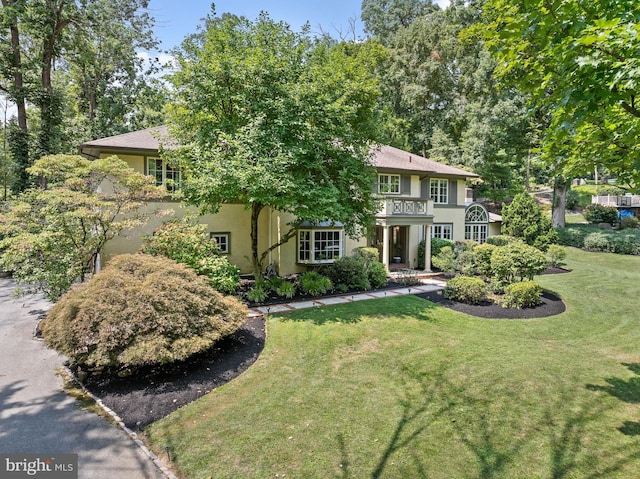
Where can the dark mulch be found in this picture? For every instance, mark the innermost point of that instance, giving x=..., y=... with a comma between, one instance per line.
x=152, y=394
x=551, y=305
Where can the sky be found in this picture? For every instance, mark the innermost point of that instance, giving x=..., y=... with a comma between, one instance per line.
x=177, y=19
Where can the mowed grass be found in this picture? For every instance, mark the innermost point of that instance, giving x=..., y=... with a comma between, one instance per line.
x=401, y=388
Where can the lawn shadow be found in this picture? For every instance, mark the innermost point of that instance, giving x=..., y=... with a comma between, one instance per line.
x=627, y=390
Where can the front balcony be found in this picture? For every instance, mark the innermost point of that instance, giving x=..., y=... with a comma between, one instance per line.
x=405, y=208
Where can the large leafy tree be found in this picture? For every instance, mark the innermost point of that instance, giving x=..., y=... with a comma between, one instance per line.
x=578, y=61
x=271, y=119
x=52, y=237
x=97, y=76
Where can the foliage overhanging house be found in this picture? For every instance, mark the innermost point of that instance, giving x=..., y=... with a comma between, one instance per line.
x=420, y=199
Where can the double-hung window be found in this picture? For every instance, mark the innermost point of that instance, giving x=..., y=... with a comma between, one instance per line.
x=319, y=246
x=439, y=190
x=164, y=174
x=389, y=184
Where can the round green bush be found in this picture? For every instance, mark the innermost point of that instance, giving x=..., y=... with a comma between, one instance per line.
x=377, y=274
x=482, y=258
x=367, y=253
x=525, y=294
x=556, y=254
x=466, y=289
x=597, y=242
x=600, y=214
x=517, y=261
x=140, y=310
x=350, y=271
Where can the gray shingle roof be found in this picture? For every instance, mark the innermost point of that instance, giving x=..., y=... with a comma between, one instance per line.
x=386, y=157
x=395, y=159
x=136, y=140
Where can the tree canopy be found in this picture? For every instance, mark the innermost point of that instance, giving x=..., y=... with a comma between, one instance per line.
x=578, y=60
x=270, y=118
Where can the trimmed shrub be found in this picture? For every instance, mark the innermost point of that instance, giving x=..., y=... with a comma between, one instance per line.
x=465, y=262
x=517, y=261
x=464, y=245
x=597, y=242
x=188, y=243
x=377, y=274
x=140, y=310
x=525, y=294
x=629, y=222
x=466, y=289
x=600, y=214
x=446, y=260
x=482, y=258
x=314, y=284
x=556, y=254
x=623, y=244
x=572, y=200
x=350, y=271
x=368, y=254
x=502, y=240
x=436, y=246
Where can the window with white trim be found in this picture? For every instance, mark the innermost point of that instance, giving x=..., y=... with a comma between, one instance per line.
x=223, y=241
x=477, y=232
x=389, y=184
x=319, y=246
x=439, y=190
x=442, y=231
x=476, y=226
x=164, y=174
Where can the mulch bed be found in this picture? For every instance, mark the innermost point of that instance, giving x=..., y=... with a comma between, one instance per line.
x=152, y=394
x=551, y=305
x=149, y=395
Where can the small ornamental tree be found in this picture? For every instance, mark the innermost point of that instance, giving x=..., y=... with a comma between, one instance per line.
x=53, y=235
x=188, y=243
x=523, y=219
x=140, y=310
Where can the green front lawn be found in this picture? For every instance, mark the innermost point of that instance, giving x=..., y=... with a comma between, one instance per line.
x=401, y=388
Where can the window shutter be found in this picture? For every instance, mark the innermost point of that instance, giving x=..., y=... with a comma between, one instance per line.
x=453, y=192
x=405, y=185
x=424, y=189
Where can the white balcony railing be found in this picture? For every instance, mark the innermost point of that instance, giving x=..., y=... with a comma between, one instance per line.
x=405, y=207
x=619, y=201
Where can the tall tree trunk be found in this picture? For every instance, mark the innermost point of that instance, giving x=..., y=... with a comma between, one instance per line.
x=559, y=206
x=256, y=208
x=20, y=134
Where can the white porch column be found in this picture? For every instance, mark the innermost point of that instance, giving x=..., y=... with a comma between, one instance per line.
x=385, y=247
x=427, y=250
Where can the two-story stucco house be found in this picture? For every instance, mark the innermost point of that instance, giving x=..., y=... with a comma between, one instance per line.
x=419, y=198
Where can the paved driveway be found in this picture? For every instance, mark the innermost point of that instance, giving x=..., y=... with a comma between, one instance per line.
x=37, y=417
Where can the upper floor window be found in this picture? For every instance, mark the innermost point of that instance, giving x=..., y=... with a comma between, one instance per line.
x=166, y=175
x=389, y=184
x=439, y=190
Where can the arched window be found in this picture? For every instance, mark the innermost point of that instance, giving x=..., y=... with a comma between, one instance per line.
x=476, y=223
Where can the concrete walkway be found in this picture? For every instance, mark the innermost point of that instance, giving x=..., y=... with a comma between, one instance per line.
x=37, y=417
x=426, y=285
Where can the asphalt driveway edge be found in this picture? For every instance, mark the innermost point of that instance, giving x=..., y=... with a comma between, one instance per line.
x=132, y=435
